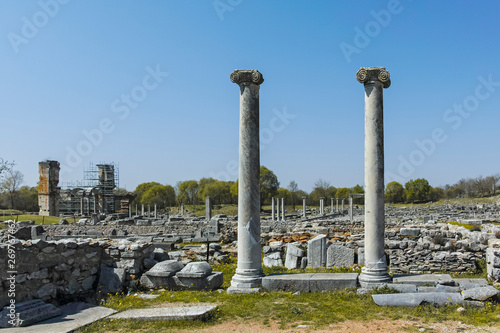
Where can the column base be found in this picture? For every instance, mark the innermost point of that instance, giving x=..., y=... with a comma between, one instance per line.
x=246, y=281
x=373, y=276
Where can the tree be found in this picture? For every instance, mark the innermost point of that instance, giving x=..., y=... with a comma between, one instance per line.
x=436, y=193
x=343, y=193
x=27, y=199
x=395, y=193
x=188, y=192
x=293, y=188
x=320, y=190
x=219, y=191
x=417, y=190
x=358, y=189
x=11, y=184
x=5, y=166
x=141, y=189
x=160, y=195
x=269, y=185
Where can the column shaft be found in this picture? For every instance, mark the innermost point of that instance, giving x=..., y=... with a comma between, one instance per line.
x=249, y=274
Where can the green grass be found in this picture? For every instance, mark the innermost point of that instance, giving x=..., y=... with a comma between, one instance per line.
x=37, y=218
x=284, y=308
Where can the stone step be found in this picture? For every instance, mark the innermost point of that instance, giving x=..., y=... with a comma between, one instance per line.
x=310, y=282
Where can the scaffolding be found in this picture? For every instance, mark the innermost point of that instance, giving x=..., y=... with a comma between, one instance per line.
x=94, y=194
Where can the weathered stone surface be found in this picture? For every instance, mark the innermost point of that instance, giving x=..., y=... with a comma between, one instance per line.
x=410, y=231
x=412, y=299
x=165, y=268
x=339, y=256
x=111, y=280
x=293, y=255
x=28, y=313
x=480, y=293
x=47, y=291
x=273, y=259
x=209, y=282
x=309, y=282
x=316, y=251
x=170, y=313
x=424, y=279
x=195, y=270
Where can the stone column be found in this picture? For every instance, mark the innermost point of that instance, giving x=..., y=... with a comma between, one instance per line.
x=337, y=205
x=248, y=276
x=321, y=206
x=283, y=209
x=182, y=209
x=304, y=207
x=136, y=210
x=208, y=208
x=273, y=212
x=331, y=205
x=129, y=210
x=155, y=212
x=375, y=79
x=142, y=210
x=350, y=208
x=277, y=209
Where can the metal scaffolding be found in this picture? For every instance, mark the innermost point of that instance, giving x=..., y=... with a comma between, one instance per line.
x=95, y=194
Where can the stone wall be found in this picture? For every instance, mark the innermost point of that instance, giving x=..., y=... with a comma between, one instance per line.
x=71, y=269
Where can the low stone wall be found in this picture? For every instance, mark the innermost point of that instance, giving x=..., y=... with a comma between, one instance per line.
x=70, y=269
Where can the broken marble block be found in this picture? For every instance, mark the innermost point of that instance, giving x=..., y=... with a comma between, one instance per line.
x=161, y=275
x=198, y=276
x=27, y=313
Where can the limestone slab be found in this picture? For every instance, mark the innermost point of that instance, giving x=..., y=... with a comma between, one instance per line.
x=423, y=279
x=74, y=315
x=167, y=313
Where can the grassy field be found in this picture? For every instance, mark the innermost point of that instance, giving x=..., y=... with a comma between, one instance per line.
x=283, y=309
x=18, y=216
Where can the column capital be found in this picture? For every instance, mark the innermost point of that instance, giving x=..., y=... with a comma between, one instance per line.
x=368, y=75
x=240, y=76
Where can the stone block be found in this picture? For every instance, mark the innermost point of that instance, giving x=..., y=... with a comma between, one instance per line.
x=480, y=293
x=424, y=279
x=339, y=256
x=272, y=259
x=293, y=255
x=316, y=251
x=361, y=256
x=332, y=281
x=195, y=270
x=415, y=299
x=309, y=282
x=209, y=282
x=409, y=232
x=28, y=313
x=111, y=280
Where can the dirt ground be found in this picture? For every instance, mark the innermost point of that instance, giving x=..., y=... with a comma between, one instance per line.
x=386, y=326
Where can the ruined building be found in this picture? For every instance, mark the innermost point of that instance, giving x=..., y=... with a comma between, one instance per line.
x=48, y=191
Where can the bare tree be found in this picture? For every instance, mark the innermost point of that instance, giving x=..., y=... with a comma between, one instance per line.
x=12, y=183
x=293, y=188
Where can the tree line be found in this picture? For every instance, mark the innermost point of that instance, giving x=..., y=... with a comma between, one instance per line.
x=193, y=192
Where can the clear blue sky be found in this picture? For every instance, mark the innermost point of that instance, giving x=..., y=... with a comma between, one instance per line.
x=66, y=67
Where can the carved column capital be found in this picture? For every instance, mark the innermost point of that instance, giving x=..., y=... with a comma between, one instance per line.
x=367, y=75
x=240, y=76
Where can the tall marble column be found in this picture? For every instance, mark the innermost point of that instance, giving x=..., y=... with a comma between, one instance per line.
x=273, y=212
x=375, y=79
x=303, y=207
x=155, y=212
x=142, y=210
x=350, y=209
x=321, y=206
x=337, y=205
x=331, y=205
x=248, y=276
